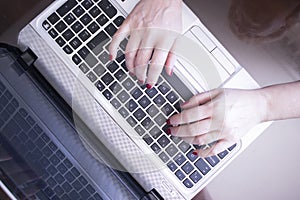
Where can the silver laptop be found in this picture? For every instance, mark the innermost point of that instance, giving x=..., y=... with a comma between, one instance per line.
x=71, y=38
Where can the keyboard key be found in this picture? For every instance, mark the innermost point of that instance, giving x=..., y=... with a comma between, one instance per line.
x=60, y=26
x=87, y=4
x=136, y=93
x=69, y=19
x=167, y=109
x=100, y=86
x=68, y=49
x=123, y=96
x=159, y=100
x=107, y=79
x=77, y=185
x=175, y=139
x=53, y=18
x=84, y=194
x=163, y=88
x=177, y=106
x=187, y=168
x=223, y=154
x=108, y=8
x=78, y=11
x=70, y=177
x=53, y=33
x=66, y=7
x=102, y=19
x=110, y=29
x=160, y=119
x=155, y=132
x=213, y=160
x=151, y=92
x=139, y=130
x=202, y=166
x=180, y=159
x=77, y=60
x=120, y=75
x=172, y=166
x=152, y=111
x=107, y=94
x=155, y=148
x=131, y=106
x=112, y=67
x=91, y=60
x=59, y=178
x=171, y=150
x=68, y=34
x=123, y=112
x=172, y=97
x=61, y=168
x=163, y=141
x=195, y=176
x=75, y=43
x=119, y=20
x=86, y=19
x=84, y=35
x=144, y=102
x=97, y=43
x=128, y=84
x=76, y=27
x=92, y=76
x=147, y=139
x=191, y=156
x=95, y=11
x=184, y=147
x=104, y=57
x=180, y=175
x=232, y=147
x=147, y=123
x=93, y=27
x=60, y=41
x=164, y=157
x=116, y=104
x=54, y=160
x=21, y=122
x=120, y=57
x=188, y=183
x=132, y=122
x=115, y=87
x=139, y=114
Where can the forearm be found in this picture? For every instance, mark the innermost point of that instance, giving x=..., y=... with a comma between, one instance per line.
x=282, y=101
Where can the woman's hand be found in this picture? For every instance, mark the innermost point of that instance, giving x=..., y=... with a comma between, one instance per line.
x=153, y=26
x=222, y=116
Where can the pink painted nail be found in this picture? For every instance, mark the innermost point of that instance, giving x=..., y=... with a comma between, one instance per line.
x=110, y=57
x=168, y=122
x=195, y=153
x=169, y=131
x=148, y=86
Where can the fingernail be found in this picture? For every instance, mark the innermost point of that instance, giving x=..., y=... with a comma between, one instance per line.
x=148, y=86
x=110, y=57
x=171, y=73
x=169, y=131
x=183, y=104
x=195, y=153
x=168, y=122
x=131, y=73
x=141, y=81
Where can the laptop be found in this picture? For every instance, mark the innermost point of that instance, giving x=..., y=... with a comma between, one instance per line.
x=112, y=111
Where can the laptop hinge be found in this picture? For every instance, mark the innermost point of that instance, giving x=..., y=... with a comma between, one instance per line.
x=152, y=195
x=27, y=58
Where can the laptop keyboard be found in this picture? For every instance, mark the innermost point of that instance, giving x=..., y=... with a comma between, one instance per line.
x=59, y=176
x=83, y=29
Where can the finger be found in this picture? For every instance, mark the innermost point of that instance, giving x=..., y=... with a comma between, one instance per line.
x=191, y=130
x=131, y=50
x=170, y=62
x=200, y=98
x=191, y=115
x=141, y=63
x=118, y=37
x=156, y=65
x=207, y=138
x=218, y=147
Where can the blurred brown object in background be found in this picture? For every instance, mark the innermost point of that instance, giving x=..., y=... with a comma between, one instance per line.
x=262, y=19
